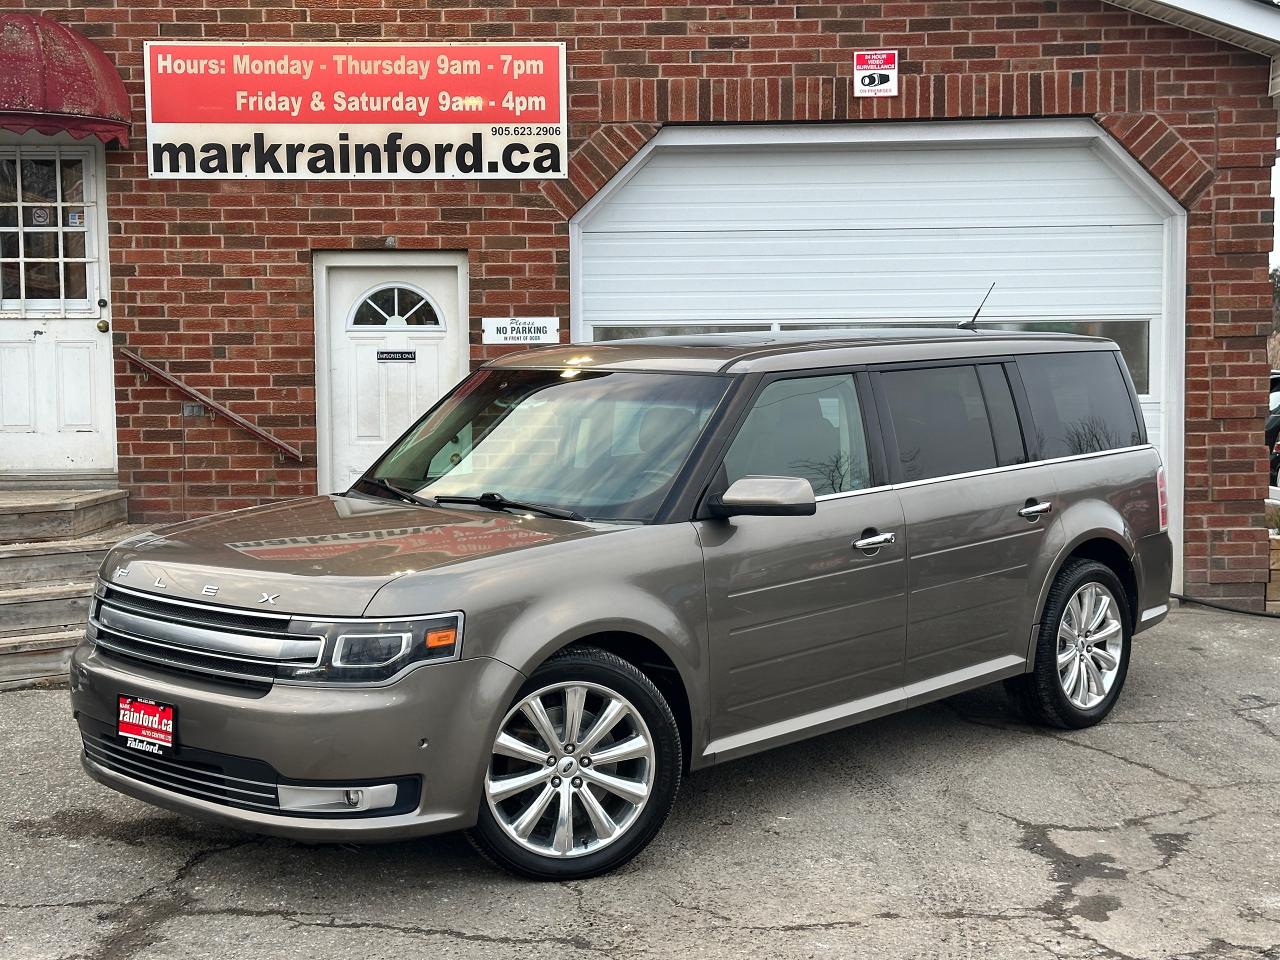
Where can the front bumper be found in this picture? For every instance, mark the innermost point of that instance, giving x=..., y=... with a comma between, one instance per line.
x=436, y=724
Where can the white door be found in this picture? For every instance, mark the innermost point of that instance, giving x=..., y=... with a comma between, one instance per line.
x=57, y=410
x=392, y=339
x=844, y=225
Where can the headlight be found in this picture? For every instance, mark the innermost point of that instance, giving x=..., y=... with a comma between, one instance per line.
x=369, y=651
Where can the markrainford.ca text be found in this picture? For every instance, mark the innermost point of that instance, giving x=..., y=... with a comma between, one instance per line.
x=389, y=157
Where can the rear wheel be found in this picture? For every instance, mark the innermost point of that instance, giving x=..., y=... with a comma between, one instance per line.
x=1082, y=654
x=583, y=771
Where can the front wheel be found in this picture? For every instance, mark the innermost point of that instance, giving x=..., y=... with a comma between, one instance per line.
x=583, y=772
x=1082, y=654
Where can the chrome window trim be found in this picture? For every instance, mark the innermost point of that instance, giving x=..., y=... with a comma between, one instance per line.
x=990, y=470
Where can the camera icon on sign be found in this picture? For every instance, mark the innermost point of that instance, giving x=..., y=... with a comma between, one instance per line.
x=874, y=79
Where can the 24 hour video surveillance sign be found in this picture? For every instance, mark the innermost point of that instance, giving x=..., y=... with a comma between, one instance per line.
x=344, y=111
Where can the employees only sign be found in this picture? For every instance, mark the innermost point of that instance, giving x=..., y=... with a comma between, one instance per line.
x=356, y=110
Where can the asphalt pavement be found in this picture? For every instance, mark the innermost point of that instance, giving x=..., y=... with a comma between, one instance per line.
x=953, y=830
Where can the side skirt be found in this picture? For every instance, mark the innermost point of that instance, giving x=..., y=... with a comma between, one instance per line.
x=859, y=711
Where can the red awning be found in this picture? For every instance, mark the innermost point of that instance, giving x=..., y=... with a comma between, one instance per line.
x=53, y=80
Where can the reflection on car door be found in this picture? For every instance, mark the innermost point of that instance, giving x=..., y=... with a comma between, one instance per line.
x=973, y=538
x=800, y=619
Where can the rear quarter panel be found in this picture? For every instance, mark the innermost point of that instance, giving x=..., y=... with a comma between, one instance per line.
x=1111, y=496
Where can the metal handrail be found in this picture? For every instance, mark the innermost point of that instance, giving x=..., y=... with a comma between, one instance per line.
x=164, y=375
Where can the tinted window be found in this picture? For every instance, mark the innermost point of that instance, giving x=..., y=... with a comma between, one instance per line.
x=810, y=428
x=940, y=420
x=1003, y=414
x=1080, y=403
x=606, y=444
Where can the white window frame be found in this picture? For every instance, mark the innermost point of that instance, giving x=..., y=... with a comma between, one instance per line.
x=95, y=232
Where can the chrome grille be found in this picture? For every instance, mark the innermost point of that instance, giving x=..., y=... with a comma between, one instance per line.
x=219, y=642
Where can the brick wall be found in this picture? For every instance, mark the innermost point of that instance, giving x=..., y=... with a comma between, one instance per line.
x=215, y=277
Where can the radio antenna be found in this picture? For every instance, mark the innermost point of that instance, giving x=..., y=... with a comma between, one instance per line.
x=972, y=322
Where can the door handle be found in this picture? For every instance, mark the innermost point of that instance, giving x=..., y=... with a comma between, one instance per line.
x=875, y=542
x=1034, y=510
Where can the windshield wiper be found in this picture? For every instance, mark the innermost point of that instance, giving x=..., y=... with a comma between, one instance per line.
x=402, y=493
x=496, y=501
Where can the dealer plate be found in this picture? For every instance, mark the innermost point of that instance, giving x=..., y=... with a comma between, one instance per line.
x=146, y=725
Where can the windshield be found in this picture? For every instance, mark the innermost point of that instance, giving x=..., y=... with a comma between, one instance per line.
x=606, y=445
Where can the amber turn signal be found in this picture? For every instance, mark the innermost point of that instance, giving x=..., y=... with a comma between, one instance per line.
x=438, y=639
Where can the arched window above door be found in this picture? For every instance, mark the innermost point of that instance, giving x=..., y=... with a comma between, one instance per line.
x=395, y=305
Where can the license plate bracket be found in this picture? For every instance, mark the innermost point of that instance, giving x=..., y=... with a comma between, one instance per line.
x=145, y=725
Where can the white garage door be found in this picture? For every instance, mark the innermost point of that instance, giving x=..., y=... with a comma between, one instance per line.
x=791, y=227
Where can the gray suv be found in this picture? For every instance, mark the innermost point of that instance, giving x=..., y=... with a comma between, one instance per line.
x=589, y=570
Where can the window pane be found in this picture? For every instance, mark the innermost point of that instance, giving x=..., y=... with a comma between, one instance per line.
x=385, y=300
x=1131, y=336
x=73, y=217
x=9, y=245
x=38, y=183
x=670, y=330
x=72, y=181
x=8, y=216
x=73, y=245
x=1080, y=404
x=42, y=281
x=39, y=244
x=366, y=316
x=74, y=282
x=940, y=421
x=39, y=216
x=8, y=181
x=1003, y=414
x=809, y=427
x=9, y=281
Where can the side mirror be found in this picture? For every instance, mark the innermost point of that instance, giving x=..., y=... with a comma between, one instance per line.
x=766, y=497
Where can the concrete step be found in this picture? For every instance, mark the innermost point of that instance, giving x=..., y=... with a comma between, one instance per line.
x=54, y=514
x=36, y=658
x=59, y=561
x=44, y=608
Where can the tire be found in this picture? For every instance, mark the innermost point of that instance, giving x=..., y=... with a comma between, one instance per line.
x=1043, y=694
x=612, y=689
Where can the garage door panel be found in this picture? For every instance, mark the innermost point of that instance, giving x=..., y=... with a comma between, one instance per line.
x=814, y=189
x=872, y=274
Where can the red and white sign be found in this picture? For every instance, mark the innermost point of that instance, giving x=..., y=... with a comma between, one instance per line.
x=144, y=724
x=356, y=110
x=875, y=73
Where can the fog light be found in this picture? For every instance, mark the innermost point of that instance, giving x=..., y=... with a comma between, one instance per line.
x=337, y=799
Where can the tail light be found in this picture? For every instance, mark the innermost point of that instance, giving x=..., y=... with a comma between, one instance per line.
x=1162, y=488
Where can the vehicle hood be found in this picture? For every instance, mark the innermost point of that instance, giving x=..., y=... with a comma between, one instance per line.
x=321, y=556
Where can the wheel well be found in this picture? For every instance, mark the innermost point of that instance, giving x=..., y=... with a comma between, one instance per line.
x=1111, y=554
x=652, y=661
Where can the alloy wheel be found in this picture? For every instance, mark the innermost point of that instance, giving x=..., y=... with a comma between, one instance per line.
x=1090, y=644
x=572, y=768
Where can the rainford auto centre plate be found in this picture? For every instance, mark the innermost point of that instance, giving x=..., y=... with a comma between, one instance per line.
x=145, y=725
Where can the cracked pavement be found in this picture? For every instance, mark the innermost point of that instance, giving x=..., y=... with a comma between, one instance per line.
x=953, y=830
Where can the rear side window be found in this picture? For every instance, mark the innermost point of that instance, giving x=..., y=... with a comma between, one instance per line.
x=940, y=421
x=1080, y=403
